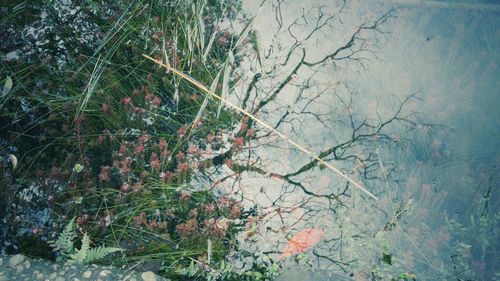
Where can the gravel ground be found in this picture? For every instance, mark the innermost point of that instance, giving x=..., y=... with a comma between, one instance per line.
x=20, y=267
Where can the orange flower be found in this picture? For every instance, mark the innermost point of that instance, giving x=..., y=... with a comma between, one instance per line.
x=302, y=241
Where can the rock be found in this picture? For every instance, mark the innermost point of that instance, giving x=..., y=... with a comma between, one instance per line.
x=16, y=260
x=27, y=264
x=59, y=279
x=105, y=273
x=87, y=274
x=148, y=276
x=38, y=275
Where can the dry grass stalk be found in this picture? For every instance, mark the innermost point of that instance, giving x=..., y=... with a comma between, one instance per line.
x=262, y=123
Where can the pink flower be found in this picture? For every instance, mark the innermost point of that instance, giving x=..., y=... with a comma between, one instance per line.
x=193, y=213
x=182, y=167
x=238, y=143
x=140, y=219
x=250, y=133
x=185, y=195
x=225, y=202
x=182, y=131
x=244, y=121
x=209, y=208
x=211, y=138
x=194, y=150
x=164, y=153
x=155, y=163
x=139, y=149
x=125, y=166
x=153, y=224
x=187, y=228
x=125, y=187
x=162, y=144
x=220, y=227
x=165, y=176
x=144, y=138
x=35, y=230
x=123, y=149
x=104, y=174
x=235, y=211
x=180, y=156
x=105, y=108
x=156, y=101
x=82, y=219
x=126, y=100
x=229, y=163
x=101, y=139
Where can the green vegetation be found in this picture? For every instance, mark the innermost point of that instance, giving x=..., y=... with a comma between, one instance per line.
x=66, y=250
x=113, y=140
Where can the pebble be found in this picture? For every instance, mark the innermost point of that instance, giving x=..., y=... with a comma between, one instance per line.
x=148, y=276
x=105, y=273
x=87, y=274
x=19, y=267
x=16, y=260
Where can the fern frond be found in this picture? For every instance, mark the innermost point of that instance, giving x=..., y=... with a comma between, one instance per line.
x=64, y=244
x=100, y=252
x=81, y=255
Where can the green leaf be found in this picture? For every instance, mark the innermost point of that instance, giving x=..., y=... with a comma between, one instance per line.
x=81, y=255
x=7, y=86
x=64, y=244
x=100, y=252
x=387, y=258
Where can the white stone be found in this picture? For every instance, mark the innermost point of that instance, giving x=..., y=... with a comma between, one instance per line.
x=148, y=276
x=105, y=273
x=16, y=260
x=27, y=264
x=87, y=274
